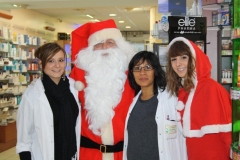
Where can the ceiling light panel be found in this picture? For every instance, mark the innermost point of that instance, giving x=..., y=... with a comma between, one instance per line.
x=112, y=15
x=89, y=16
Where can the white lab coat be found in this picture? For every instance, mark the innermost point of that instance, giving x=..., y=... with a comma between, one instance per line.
x=35, y=122
x=171, y=143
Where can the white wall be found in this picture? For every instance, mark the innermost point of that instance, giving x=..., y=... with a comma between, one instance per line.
x=138, y=39
x=212, y=50
x=33, y=23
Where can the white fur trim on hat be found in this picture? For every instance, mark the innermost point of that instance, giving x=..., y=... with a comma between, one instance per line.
x=99, y=36
x=186, y=41
x=78, y=85
x=179, y=106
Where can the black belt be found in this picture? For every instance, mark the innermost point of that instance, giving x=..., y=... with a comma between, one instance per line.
x=88, y=143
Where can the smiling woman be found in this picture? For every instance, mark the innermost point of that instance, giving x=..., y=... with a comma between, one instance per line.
x=150, y=112
x=188, y=77
x=48, y=115
x=52, y=61
x=55, y=66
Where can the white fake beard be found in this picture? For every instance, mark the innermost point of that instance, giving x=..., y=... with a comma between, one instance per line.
x=105, y=77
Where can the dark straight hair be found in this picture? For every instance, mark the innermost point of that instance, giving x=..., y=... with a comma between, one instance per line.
x=159, y=74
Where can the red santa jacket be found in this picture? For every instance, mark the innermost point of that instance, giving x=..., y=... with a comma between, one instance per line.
x=118, y=120
x=206, y=110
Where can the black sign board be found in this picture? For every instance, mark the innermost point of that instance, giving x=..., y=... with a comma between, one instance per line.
x=187, y=25
x=192, y=28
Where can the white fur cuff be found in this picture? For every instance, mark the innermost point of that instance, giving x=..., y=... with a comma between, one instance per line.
x=78, y=85
x=179, y=106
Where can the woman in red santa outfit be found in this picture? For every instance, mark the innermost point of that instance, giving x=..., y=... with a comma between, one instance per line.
x=204, y=105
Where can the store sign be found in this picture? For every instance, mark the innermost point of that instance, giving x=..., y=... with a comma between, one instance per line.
x=187, y=25
x=185, y=22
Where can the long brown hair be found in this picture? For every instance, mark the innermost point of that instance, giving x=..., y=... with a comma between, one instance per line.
x=174, y=82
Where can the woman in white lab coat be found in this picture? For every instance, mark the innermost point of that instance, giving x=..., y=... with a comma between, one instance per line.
x=48, y=122
x=151, y=129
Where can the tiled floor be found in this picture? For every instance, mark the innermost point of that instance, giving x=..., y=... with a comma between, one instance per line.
x=9, y=154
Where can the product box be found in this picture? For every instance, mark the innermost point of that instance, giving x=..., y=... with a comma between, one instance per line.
x=223, y=17
x=62, y=36
x=226, y=80
x=8, y=133
x=205, y=2
x=214, y=18
x=226, y=52
x=5, y=32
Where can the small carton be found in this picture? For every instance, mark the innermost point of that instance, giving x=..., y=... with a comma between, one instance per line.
x=223, y=17
x=214, y=18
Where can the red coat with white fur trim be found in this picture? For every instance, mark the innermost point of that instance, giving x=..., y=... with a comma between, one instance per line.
x=118, y=120
x=205, y=112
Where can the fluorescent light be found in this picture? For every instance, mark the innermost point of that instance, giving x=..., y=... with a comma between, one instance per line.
x=96, y=20
x=112, y=15
x=89, y=16
x=20, y=6
x=120, y=21
x=128, y=26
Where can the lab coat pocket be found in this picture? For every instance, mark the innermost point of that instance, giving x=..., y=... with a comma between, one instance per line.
x=170, y=129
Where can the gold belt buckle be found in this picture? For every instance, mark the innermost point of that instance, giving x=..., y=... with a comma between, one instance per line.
x=105, y=148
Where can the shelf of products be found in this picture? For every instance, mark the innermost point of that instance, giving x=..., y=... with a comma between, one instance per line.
x=221, y=14
x=219, y=24
x=18, y=67
x=224, y=61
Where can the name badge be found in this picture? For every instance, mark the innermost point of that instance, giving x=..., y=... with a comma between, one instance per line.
x=170, y=129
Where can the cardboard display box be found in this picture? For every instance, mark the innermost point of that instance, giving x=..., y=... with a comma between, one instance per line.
x=8, y=133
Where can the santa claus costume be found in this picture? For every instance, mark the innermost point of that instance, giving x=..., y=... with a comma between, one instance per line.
x=205, y=112
x=107, y=95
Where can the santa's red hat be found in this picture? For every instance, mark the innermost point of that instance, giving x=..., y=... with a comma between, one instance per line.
x=90, y=34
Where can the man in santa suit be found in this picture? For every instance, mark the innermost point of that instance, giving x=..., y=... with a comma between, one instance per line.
x=101, y=58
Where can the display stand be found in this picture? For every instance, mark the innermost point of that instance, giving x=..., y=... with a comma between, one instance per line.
x=18, y=67
x=8, y=136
